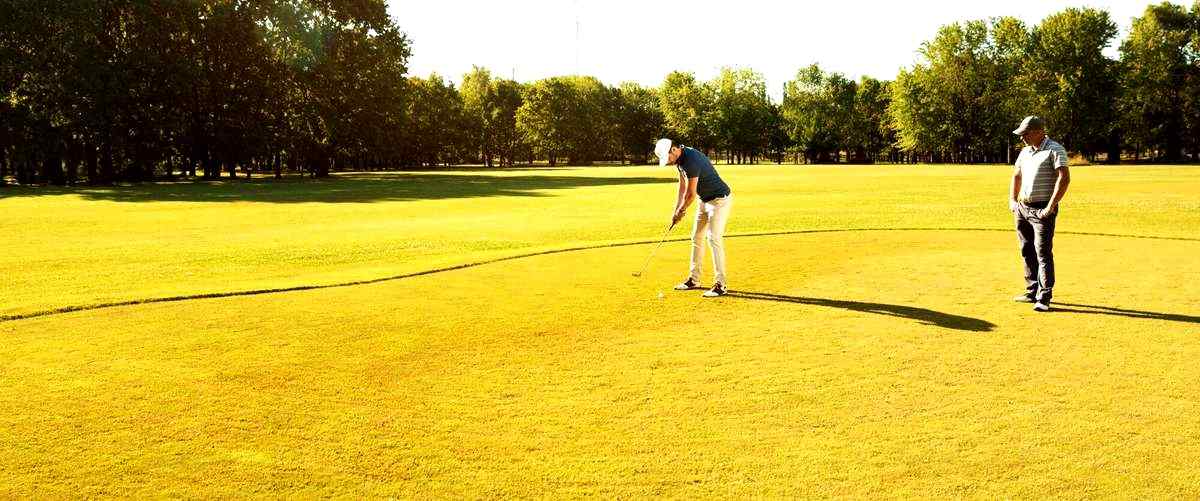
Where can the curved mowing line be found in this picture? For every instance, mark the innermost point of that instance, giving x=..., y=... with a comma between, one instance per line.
x=255, y=292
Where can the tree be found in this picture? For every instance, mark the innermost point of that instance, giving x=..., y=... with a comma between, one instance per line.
x=435, y=121
x=542, y=117
x=775, y=134
x=1191, y=113
x=817, y=109
x=869, y=133
x=740, y=113
x=591, y=127
x=571, y=116
x=640, y=121
x=479, y=102
x=1158, y=64
x=1073, y=82
x=958, y=104
x=687, y=109
x=503, y=121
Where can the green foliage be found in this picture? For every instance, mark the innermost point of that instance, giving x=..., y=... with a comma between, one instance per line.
x=502, y=123
x=1073, y=82
x=741, y=112
x=436, y=123
x=127, y=90
x=639, y=121
x=688, y=110
x=1160, y=80
x=572, y=117
x=960, y=102
x=818, y=112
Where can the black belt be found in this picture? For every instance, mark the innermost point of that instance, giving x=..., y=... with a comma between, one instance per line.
x=709, y=199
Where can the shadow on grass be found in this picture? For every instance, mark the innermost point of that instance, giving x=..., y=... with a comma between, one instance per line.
x=922, y=315
x=1119, y=312
x=341, y=188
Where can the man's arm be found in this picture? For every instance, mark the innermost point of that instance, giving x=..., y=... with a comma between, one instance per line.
x=687, y=187
x=683, y=186
x=1015, y=189
x=1061, y=183
x=1060, y=190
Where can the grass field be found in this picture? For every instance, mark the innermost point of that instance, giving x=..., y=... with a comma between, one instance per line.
x=868, y=349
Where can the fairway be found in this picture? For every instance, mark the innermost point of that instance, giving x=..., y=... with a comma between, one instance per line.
x=477, y=333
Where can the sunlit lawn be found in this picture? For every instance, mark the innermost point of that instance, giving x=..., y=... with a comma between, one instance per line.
x=885, y=362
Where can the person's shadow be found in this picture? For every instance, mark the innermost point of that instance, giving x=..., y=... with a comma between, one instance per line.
x=1120, y=312
x=922, y=315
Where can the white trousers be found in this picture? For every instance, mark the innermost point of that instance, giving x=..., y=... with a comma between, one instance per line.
x=711, y=217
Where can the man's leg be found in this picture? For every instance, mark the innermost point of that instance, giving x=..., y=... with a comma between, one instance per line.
x=716, y=235
x=1044, y=245
x=1026, y=237
x=698, y=231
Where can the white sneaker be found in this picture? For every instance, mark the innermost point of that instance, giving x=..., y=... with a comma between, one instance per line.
x=1040, y=306
x=688, y=285
x=715, y=291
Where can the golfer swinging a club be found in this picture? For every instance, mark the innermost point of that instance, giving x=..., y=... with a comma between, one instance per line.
x=698, y=178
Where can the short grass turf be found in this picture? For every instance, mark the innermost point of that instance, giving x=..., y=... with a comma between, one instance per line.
x=873, y=363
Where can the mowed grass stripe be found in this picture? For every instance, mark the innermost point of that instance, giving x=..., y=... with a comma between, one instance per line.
x=80, y=246
x=214, y=295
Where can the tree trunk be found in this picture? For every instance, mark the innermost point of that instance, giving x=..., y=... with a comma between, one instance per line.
x=74, y=158
x=91, y=162
x=212, y=168
x=322, y=168
x=107, y=169
x=52, y=165
x=1114, y=149
x=21, y=171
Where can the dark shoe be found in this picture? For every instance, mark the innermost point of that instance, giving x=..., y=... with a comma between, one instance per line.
x=716, y=290
x=688, y=284
x=1024, y=298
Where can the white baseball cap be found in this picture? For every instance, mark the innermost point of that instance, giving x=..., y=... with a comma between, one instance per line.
x=661, y=149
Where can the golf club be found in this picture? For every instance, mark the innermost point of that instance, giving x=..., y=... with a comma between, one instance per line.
x=652, y=252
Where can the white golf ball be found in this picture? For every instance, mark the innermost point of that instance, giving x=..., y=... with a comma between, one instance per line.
x=660, y=294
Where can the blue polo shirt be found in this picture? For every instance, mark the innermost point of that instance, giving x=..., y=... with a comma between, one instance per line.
x=693, y=163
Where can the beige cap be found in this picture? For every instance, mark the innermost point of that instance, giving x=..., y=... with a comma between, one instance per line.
x=1030, y=122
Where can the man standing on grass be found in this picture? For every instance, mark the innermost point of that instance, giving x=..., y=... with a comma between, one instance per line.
x=1040, y=179
x=698, y=178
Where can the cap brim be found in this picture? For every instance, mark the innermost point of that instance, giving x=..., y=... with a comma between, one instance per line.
x=1019, y=131
x=662, y=162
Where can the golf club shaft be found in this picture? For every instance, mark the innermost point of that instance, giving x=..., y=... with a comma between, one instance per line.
x=655, y=250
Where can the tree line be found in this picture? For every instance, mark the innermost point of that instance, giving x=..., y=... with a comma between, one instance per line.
x=101, y=91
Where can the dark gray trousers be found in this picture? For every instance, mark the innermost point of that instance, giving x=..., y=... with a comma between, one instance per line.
x=1036, y=236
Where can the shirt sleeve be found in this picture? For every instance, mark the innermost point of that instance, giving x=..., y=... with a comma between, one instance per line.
x=1060, y=157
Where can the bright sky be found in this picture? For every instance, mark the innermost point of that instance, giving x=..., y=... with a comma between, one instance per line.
x=642, y=41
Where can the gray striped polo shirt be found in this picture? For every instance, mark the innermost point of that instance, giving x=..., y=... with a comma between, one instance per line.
x=1039, y=170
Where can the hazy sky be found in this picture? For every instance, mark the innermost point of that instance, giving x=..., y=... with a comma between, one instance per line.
x=642, y=41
